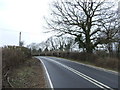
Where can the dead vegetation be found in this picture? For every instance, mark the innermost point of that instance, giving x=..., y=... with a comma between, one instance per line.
x=99, y=59
x=28, y=75
x=19, y=70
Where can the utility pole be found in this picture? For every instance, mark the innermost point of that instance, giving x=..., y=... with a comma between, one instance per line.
x=20, y=39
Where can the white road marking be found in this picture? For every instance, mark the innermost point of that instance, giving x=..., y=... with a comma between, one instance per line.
x=99, y=84
x=95, y=67
x=50, y=82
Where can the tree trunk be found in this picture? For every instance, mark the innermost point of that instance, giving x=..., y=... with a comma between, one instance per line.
x=89, y=48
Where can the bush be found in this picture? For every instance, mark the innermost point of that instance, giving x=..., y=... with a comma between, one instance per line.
x=12, y=56
x=107, y=62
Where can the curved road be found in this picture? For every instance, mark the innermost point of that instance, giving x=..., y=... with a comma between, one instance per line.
x=63, y=73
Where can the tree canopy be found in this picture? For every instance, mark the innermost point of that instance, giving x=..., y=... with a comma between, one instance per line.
x=92, y=22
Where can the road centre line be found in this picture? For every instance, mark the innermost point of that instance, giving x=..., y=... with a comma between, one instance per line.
x=95, y=67
x=99, y=84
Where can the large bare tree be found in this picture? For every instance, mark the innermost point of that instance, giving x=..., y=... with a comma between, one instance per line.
x=81, y=18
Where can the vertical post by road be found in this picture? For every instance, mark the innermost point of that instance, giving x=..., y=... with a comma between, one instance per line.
x=119, y=27
x=20, y=39
x=0, y=68
x=119, y=43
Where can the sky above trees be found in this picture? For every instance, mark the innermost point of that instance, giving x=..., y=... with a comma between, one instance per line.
x=24, y=16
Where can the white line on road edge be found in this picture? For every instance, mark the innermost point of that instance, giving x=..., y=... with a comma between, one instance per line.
x=99, y=84
x=51, y=85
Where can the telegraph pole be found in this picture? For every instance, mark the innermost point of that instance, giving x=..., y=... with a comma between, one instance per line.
x=20, y=39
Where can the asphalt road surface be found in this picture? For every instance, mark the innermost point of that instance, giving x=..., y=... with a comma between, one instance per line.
x=62, y=73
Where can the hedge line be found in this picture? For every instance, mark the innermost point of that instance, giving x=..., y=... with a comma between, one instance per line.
x=100, y=59
x=12, y=56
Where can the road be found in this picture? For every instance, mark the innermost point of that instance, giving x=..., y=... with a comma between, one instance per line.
x=63, y=73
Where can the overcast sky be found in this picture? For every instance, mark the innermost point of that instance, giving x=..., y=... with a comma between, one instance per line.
x=25, y=16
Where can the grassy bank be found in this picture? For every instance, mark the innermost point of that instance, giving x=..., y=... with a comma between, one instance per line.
x=19, y=70
x=28, y=75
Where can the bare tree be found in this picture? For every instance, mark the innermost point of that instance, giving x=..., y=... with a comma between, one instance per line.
x=63, y=43
x=33, y=46
x=81, y=18
x=69, y=44
x=42, y=45
x=53, y=43
x=110, y=31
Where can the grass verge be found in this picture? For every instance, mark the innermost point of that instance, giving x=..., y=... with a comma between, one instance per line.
x=27, y=75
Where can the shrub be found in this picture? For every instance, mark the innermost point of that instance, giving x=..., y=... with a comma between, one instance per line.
x=107, y=62
x=12, y=56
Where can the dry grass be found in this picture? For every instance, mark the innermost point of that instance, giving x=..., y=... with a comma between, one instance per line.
x=28, y=75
